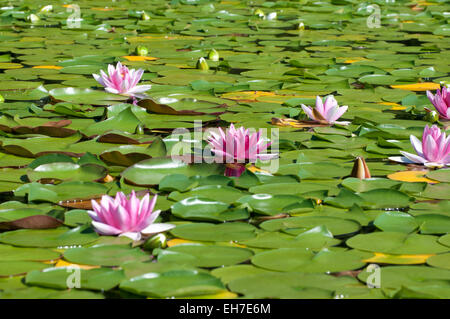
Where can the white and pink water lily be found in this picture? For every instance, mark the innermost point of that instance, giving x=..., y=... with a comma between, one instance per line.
x=121, y=80
x=432, y=151
x=328, y=112
x=441, y=102
x=131, y=217
x=235, y=147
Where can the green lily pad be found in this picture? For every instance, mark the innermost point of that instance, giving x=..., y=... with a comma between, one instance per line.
x=204, y=209
x=10, y=253
x=152, y=171
x=315, y=238
x=290, y=285
x=59, y=237
x=92, y=279
x=104, y=255
x=396, y=222
x=442, y=175
x=267, y=204
x=304, y=260
x=66, y=171
x=397, y=243
x=204, y=255
x=86, y=96
x=440, y=261
x=417, y=278
x=337, y=226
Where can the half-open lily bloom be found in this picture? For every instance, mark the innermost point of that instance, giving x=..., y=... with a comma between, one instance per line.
x=237, y=147
x=432, y=151
x=126, y=217
x=121, y=80
x=327, y=112
x=441, y=102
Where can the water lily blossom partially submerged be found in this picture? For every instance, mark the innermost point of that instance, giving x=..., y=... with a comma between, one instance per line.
x=121, y=80
x=237, y=147
x=126, y=217
x=327, y=112
x=432, y=151
x=441, y=102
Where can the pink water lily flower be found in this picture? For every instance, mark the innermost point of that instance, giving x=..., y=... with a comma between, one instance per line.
x=327, y=112
x=126, y=217
x=237, y=147
x=441, y=102
x=432, y=151
x=121, y=80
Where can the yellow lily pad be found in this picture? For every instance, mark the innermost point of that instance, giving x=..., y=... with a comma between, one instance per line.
x=398, y=108
x=395, y=106
x=294, y=123
x=50, y=67
x=355, y=59
x=134, y=58
x=220, y=295
x=178, y=241
x=63, y=263
x=254, y=169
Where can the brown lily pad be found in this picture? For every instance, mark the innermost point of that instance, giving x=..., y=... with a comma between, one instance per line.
x=32, y=222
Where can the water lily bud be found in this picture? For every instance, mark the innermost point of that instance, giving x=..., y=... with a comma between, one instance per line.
x=48, y=8
x=33, y=18
x=360, y=169
x=272, y=16
x=141, y=50
x=2, y=99
x=157, y=241
x=202, y=65
x=259, y=13
x=213, y=55
x=145, y=16
x=432, y=117
x=301, y=26
x=140, y=129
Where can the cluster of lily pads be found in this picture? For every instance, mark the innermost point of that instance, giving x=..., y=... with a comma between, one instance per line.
x=88, y=183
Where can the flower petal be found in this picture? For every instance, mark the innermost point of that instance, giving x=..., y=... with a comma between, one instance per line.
x=417, y=145
x=139, y=89
x=338, y=113
x=308, y=112
x=133, y=235
x=414, y=158
x=99, y=79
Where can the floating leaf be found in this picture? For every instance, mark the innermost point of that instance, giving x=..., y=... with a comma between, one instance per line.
x=175, y=283
x=412, y=177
